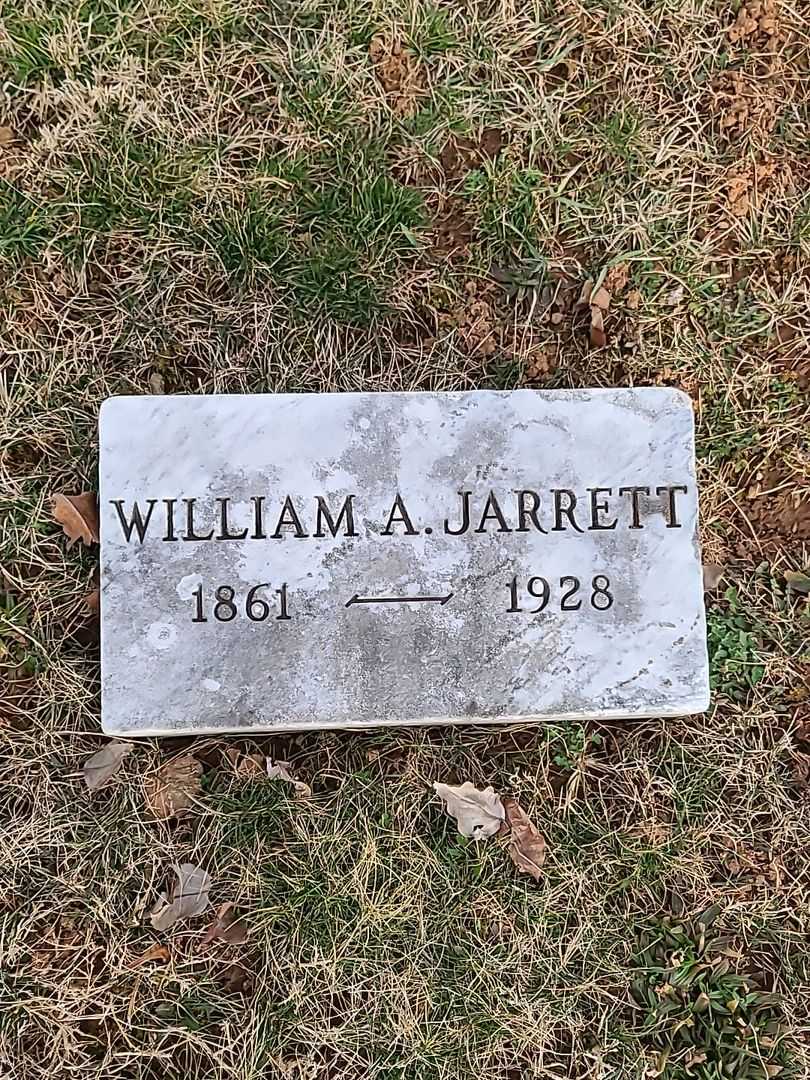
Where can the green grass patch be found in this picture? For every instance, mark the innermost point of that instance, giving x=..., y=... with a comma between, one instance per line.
x=330, y=241
x=700, y=1016
x=734, y=649
x=503, y=200
x=26, y=55
x=25, y=228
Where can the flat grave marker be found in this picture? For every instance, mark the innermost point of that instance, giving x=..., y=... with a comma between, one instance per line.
x=286, y=562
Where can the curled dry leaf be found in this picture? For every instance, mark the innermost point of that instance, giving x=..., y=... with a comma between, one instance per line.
x=280, y=770
x=478, y=814
x=712, y=576
x=154, y=952
x=105, y=763
x=78, y=516
x=526, y=846
x=188, y=897
x=173, y=788
x=225, y=927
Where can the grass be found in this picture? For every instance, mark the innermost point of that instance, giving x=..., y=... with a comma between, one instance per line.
x=202, y=196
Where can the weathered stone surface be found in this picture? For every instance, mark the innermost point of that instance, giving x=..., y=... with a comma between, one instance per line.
x=404, y=615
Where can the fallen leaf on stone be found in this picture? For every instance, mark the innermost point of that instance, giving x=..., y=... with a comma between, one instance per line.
x=154, y=952
x=712, y=576
x=78, y=516
x=797, y=581
x=188, y=897
x=225, y=927
x=598, y=336
x=280, y=770
x=105, y=763
x=173, y=788
x=526, y=846
x=478, y=814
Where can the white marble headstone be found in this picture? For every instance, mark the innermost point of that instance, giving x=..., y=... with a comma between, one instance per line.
x=277, y=562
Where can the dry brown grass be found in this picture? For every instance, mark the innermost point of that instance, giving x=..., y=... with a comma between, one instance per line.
x=234, y=196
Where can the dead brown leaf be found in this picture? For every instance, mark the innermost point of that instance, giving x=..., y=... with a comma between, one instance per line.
x=491, y=142
x=399, y=73
x=478, y=814
x=526, y=846
x=585, y=293
x=246, y=767
x=93, y=599
x=78, y=516
x=105, y=763
x=778, y=512
x=154, y=952
x=226, y=927
x=236, y=980
x=797, y=581
x=712, y=576
x=187, y=898
x=538, y=362
x=746, y=105
x=598, y=336
x=6, y=136
x=600, y=298
x=452, y=233
x=616, y=278
x=172, y=789
x=800, y=766
x=747, y=183
x=475, y=320
x=756, y=20
x=783, y=333
x=460, y=155
x=280, y=770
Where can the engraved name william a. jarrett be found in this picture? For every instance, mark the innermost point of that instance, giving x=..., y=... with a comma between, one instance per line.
x=595, y=509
